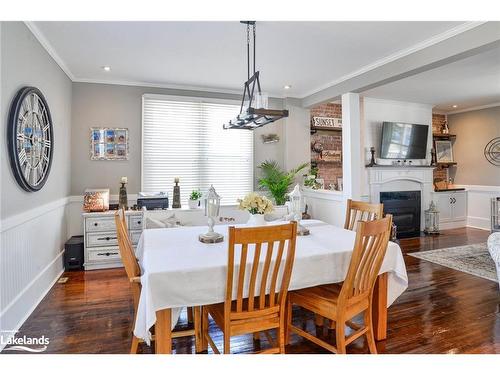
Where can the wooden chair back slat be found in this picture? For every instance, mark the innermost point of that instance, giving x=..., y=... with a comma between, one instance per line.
x=241, y=277
x=361, y=211
x=252, y=240
x=370, y=247
x=275, y=275
x=253, y=277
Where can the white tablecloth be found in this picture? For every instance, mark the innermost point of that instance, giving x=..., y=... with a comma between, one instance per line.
x=179, y=271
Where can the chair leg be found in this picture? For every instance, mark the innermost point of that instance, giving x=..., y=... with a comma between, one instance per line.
x=340, y=334
x=135, y=345
x=198, y=332
x=204, y=329
x=227, y=342
x=190, y=315
x=256, y=336
x=288, y=322
x=370, y=338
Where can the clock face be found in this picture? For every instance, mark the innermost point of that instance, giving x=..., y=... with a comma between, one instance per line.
x=30, y=138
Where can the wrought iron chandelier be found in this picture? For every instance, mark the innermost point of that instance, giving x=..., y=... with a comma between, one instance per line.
x=253, y=110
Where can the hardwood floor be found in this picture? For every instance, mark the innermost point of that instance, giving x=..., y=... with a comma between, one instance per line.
x=442, y=311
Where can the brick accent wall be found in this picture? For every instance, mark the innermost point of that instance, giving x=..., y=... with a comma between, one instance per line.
x=330, y=140
x=437, y=123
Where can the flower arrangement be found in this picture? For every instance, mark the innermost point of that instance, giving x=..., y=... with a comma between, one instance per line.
x=256, y=204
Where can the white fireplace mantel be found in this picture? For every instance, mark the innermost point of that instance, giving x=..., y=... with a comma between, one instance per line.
x=388, y=178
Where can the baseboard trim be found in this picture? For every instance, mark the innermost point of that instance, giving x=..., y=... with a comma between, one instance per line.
x=478, y=222
x=37, y=301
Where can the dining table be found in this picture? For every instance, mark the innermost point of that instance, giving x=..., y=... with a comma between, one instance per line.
x=178, y=271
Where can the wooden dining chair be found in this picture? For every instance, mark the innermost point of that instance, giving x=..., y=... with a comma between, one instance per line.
x=133, y=270
x=265, y=266
x=340, y=303
x=361, y=211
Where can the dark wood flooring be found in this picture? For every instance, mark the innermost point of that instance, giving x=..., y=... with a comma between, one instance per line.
x=442, y=311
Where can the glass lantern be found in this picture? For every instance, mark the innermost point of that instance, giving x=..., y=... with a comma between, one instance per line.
x=211, y=202
x=296, y=207
x=432, y=219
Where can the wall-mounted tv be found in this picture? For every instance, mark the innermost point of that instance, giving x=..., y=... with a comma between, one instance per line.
x=403, y=141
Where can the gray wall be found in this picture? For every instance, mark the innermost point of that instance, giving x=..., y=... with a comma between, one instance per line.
x=121, y=106
x=474, y=130
x=25, y=62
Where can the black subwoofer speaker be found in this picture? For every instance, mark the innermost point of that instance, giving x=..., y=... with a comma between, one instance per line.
x=73, y=254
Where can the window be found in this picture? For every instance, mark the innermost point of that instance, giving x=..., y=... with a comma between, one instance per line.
x=183, y=137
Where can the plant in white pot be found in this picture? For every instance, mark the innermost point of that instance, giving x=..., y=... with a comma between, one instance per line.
x=257, y=205
x=194, y=199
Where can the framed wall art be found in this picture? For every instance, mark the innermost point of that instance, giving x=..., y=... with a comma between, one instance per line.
x=108, y=144
x=444, y=152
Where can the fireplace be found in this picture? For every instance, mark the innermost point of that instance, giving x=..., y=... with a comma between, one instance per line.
x=404, y=206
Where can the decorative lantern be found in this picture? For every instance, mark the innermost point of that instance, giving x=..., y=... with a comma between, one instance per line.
x=495, y=214
x=296, y=207
x=212, y=205
x=432, y=219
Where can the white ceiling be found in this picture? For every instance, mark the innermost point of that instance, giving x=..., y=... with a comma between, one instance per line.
x=211, y=55
x=467, y=83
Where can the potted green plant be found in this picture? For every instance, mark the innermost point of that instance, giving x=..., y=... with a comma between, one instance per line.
x=194, y=199
x=276, y=180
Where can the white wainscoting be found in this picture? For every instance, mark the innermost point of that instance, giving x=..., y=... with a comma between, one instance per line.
x=326, y=205
x=31, y=249
x=478, y=205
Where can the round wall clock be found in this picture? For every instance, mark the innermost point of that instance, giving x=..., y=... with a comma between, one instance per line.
x=492, y=151
x=30, y=138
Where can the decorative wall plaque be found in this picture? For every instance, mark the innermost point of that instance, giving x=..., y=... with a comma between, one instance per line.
x=326, y=122
x=492, y=151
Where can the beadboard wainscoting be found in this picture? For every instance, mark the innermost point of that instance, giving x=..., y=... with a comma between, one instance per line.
x=30, y=261
x=479, y=205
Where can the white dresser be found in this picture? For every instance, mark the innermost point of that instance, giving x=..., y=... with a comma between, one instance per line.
x=101, y=245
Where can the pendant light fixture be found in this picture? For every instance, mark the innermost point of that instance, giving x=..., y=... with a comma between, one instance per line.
x=253, y=111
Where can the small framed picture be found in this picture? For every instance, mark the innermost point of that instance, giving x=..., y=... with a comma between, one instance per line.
x=110, y=149
x=99, y=149
x=108, y=143
x=340, y=184
x=120, y=136
x=444, y=152
x=110, y=135
x=121, y=150
x=97, y=136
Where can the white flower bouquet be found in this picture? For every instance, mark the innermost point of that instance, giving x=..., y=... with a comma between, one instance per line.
x=256, y=204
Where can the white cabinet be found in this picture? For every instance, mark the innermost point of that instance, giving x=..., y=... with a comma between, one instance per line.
x=452, y=206
x=101, y=245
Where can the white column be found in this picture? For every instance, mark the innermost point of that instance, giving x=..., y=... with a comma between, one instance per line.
x=351, y=146
x=297, y=134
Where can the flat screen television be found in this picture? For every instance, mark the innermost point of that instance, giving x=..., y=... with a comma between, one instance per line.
x=403, y=141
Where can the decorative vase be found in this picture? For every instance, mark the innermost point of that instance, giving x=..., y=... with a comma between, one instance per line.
x=193, y=204
x=256, y=220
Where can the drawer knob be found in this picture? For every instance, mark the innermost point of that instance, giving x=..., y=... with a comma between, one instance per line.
x=139, y=222
x=95, y=224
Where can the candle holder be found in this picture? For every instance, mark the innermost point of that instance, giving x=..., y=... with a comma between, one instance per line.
x=176, y=203
x=372, y=159
x=212, y=206
x=122, y=197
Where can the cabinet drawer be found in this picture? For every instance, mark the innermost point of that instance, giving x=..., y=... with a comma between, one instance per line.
x=104, y=254
x=100, y=224
x=135, y=222
x=134, y=236
x=102, y=239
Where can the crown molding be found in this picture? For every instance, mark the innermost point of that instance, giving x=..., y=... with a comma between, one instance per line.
x=475, y=108
x=48, y=47
x=466, y=26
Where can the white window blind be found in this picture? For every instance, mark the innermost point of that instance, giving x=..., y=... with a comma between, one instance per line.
x=183, y=137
